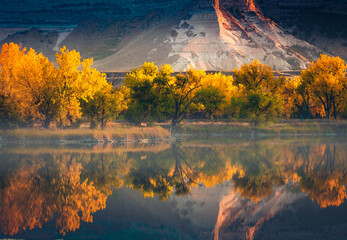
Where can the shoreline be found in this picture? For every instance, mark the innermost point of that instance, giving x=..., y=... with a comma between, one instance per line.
x=123, y=133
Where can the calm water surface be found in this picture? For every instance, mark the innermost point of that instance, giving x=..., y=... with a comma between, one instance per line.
x=196, y=189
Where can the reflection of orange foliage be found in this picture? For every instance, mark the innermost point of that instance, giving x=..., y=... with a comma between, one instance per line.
x=326, y=190
x=23, y=204
x=30, y=199
x=77, y=197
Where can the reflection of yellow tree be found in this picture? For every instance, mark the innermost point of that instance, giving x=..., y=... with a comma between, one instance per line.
x=225, y=175
x=75, y=198
x=261, y=170
x=318, y=169
x=37, y=192
x=323, y=181
x=151, y=175
x=326, y=189
x=179, y=170
x=73, y=186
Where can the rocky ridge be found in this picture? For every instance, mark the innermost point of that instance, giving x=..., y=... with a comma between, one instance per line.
x=121, y=35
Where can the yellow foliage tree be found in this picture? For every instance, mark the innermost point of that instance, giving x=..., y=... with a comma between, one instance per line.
x=222, y=84
x=257, y=76
x=74, y=84
x=325, y=80
x=32, y=88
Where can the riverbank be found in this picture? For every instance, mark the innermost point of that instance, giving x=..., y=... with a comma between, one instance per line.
x=115, y=133
x=285, y=127
x=128, y=133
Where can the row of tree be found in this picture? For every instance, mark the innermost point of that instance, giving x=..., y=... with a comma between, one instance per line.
x=252, y=93
x=33, y=89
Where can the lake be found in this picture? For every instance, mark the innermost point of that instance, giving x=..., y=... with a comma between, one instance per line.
x=220, y=188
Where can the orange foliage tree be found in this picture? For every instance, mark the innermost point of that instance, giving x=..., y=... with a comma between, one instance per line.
x=37, y=192
x=26, y=80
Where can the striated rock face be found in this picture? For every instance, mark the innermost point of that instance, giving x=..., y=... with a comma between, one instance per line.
x=220, y=38
x=121, y=35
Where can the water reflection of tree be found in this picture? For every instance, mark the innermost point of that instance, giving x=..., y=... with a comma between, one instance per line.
x=324, y=180
x=259, y=162
x=105, y=170
x=255, y=169
x=162, y=173
x=177, y=170
x=184, y=175
x=72, y=186
x=44, y=186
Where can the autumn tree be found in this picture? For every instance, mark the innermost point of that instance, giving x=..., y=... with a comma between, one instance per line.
x=143, y=101
x=33, y=89
x=104, y=105
x=293, y=104
x=9, y=106
x=27, y=84
x=260, y=99
x=216, y=93
x=178, y=92
x=325, y=81
x=257, y=77
x=74, y=84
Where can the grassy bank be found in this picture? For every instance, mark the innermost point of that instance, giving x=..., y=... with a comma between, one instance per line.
x=287, y=127
x=122, y=132
x=113, y=133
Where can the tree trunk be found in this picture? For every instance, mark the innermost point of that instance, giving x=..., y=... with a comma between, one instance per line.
x=46, y=123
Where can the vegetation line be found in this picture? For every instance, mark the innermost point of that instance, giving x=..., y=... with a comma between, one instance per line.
x=34, y=91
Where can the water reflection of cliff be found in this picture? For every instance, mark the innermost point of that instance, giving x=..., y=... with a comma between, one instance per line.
x=69, y=186
x=270, y=185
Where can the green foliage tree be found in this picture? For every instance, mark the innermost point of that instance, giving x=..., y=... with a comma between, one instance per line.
x=260, y=107
x=105, y=105
x=212, y=98
x=156, y=94
x=143, y=100
x=260, y=98
x=178, y=93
